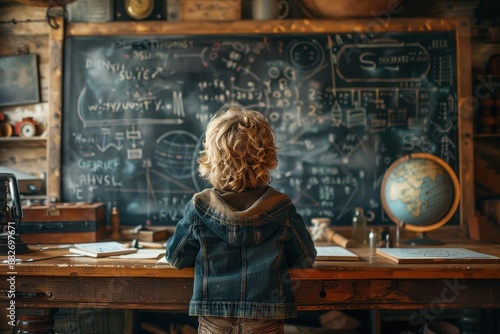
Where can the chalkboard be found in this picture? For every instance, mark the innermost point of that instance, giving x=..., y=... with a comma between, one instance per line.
x=344, y=106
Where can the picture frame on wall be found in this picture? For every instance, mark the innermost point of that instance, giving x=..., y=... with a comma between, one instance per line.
x=19, y=80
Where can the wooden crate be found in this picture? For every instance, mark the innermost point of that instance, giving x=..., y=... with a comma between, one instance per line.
x=148, y=234
x=209, y=10
x=63, y=223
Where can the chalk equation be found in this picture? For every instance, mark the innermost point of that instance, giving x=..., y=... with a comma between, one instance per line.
x=342, y=110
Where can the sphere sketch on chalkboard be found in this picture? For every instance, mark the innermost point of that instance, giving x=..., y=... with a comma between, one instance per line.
x=198, y=182
x=174, y=151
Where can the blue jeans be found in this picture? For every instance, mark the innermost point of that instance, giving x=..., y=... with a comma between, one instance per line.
x=218, y=325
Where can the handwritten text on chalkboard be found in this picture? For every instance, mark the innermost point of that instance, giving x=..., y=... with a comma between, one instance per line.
x=343, y=110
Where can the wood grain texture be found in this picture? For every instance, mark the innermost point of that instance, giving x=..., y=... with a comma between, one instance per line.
x=23, y=20
x=246, y=26
x=370, y=266
x=370, y=283
x=54, y=148
x=466, y=115
x=27, y=156
x=174, y=294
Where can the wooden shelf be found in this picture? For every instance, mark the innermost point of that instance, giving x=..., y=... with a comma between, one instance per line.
x=21, y=142
x=487, y=35
x=487, y=135
x=21, y=139
x=34, y=197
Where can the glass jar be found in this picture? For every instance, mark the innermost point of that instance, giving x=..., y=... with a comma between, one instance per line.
x=373, y=239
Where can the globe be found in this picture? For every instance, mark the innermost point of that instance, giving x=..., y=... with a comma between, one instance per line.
x=420, y=192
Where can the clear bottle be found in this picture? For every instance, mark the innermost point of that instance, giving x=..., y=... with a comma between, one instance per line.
x=373, y=239
x=115, y=223
x=385, y=238
x=359, y=232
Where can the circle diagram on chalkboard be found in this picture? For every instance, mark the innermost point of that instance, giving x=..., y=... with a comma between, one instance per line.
x=305, y=55
x=343, y=107
x=174, y=151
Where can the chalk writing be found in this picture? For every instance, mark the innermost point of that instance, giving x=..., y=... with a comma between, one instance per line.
x=343, y=109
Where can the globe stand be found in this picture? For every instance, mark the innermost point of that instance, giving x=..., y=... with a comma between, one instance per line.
x=423, y=239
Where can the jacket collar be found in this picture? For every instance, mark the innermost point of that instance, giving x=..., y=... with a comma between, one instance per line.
x=247, y=227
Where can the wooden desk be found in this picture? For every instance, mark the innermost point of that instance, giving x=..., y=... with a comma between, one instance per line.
x=372, y=283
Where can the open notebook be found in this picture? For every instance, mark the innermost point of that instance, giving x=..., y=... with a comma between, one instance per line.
x=335, y=253
x=435, y=255
x=101, y=249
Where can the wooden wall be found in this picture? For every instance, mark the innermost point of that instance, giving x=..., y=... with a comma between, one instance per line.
x=24, y=30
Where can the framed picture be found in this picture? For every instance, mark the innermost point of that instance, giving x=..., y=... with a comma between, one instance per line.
x=19, y=80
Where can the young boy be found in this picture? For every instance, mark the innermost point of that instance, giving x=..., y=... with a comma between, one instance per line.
x=241, y=236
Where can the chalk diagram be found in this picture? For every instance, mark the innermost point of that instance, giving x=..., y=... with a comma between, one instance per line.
x=408, y=90
x=242, y=81
x=86, y=107
x=339, y=108
x=165, y=173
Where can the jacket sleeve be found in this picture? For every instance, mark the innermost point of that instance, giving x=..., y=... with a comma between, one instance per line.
x=300, y=250
x=183, y=247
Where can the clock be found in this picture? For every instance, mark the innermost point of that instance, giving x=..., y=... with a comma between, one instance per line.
x=133, y=10
x=139, y=9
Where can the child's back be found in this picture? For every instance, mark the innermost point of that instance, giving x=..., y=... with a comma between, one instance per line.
x=242, y=235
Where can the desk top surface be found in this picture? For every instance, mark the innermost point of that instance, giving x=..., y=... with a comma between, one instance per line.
x=370, y=266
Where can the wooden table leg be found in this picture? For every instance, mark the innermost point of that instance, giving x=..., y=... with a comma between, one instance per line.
x=35, y=321
x=490, y=320
x=470, y=321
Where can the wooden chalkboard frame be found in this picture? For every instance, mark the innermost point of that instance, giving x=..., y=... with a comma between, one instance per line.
x=461, y=27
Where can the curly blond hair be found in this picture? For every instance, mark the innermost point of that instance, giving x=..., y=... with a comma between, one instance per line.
x=238, y=151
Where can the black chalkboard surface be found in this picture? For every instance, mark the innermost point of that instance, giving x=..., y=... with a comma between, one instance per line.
x=344, y=107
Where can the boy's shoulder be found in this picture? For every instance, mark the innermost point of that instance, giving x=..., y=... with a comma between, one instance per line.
x=205, y=193
x=271, y=192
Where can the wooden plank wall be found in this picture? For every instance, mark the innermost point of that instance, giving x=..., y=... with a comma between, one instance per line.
x=24, y=30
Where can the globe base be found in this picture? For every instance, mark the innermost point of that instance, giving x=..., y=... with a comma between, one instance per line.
x=423, y=239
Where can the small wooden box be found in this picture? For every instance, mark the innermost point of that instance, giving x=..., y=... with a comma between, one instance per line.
x=210, y=10
x=63, y=223
x=149, y=234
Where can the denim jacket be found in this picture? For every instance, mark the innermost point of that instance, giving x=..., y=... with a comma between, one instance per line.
x=241, y=258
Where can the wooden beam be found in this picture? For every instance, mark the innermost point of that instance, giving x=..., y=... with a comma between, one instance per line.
x=56, y=39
